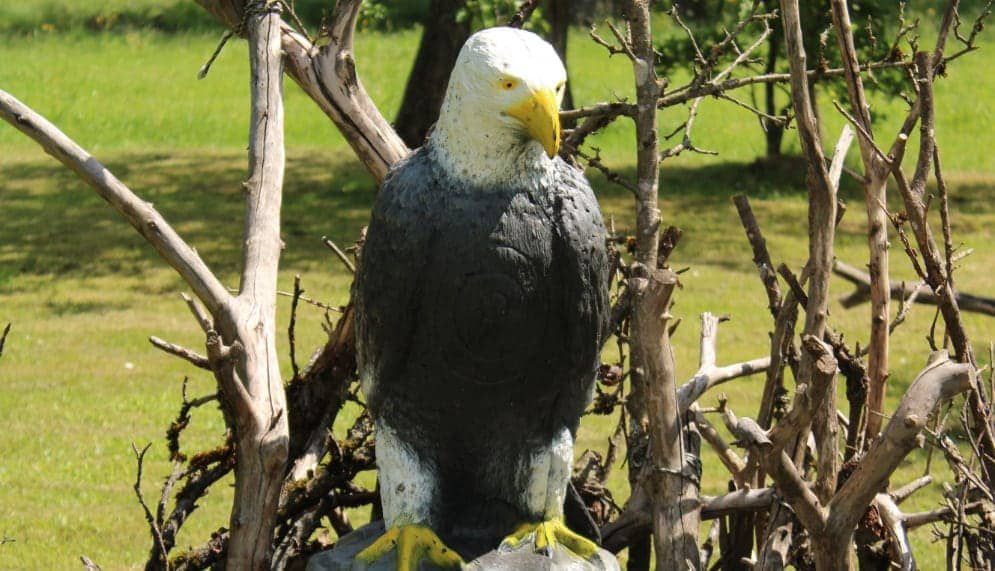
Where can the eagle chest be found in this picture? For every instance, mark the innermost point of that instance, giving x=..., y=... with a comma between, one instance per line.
x=491, y=289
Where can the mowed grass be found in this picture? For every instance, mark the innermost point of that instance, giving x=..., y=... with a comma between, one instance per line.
x=84, y=291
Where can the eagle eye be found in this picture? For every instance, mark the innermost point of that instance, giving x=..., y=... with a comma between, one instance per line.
x=508, y=83
x=559, y=86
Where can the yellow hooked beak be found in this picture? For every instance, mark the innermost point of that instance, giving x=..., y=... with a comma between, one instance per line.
x=540, y=114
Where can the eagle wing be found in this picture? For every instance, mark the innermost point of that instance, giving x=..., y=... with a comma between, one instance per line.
x=581, y=248
x=387, y=289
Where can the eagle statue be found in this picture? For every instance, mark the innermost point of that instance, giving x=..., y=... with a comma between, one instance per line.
x=482, y=302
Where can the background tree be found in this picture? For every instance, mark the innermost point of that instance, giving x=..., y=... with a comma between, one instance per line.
x=559, y=18
x=873, y=18
x=447, y=24
x=444, y=35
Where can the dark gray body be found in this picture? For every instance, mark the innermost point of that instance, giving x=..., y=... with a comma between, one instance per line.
x=480, y=313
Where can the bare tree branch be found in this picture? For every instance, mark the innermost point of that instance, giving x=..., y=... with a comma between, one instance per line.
x=203, y=319
x=192, y=357
x=822, y=227
x=140, y=214
x=876, y=171
x=523, y=13
x=156, y=533
x=328, y=75
x=709, y=374
x=906, y=491
x=922, y=293
x=914, y=198
x=941, y=380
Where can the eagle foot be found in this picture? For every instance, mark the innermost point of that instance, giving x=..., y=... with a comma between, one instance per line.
x=414, y=544
x=546, y=535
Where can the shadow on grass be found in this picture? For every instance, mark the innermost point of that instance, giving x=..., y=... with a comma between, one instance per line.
x=53, y=224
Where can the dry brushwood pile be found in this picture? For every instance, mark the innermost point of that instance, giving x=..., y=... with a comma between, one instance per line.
x=809, y=474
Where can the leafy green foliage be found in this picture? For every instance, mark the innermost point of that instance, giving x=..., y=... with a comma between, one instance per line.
x=876, y=22
x=376, y=14
x=488, y=13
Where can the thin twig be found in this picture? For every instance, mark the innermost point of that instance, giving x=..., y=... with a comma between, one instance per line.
x=523, y=13
x=904, y=306
x=194, y=358
x=293, y=325
x=3, y=338
x=341, y=255
x=610, y=175
x=624, y=47
x=868, y=138
x=948, y=242
x=310, y=301
x=140, y=459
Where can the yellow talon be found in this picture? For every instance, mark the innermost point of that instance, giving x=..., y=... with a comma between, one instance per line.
x=414, y=543
x=550, y=533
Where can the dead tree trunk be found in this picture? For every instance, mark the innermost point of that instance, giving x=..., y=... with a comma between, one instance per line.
x=241, y=337
x=672, y=481
x=262, y=433
x=822, y=229
x=559, y=17
x=676, y=515
x=876, y=174
x=440, y=43
x=647, y=236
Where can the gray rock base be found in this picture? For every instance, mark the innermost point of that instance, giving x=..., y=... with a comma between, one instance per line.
x=522, y=558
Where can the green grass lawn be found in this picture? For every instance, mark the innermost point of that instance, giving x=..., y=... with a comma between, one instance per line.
x=84, y=291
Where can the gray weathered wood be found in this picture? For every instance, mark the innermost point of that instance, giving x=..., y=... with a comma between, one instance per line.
x=876, y=174
x=822, y=230
x=261, y=431
x=674, y=491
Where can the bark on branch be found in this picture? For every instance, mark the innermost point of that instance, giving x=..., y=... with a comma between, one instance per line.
x=822, y=230
x=709, y=374
x=261, y=430
x=674, y=477
x=940, y=381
